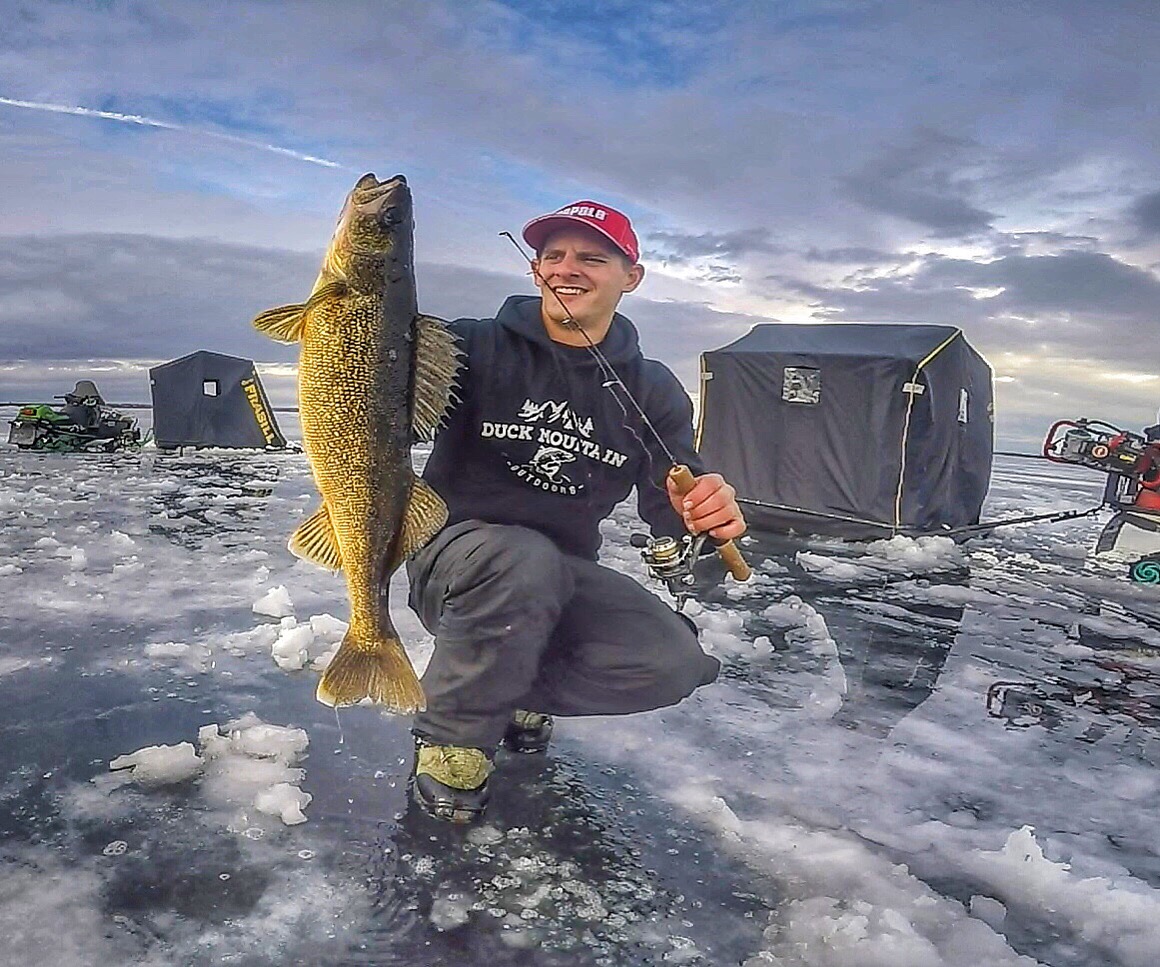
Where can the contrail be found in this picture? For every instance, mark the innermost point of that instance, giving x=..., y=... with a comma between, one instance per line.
x=89, y=112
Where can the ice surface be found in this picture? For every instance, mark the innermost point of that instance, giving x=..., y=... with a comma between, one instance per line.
x=917, y=753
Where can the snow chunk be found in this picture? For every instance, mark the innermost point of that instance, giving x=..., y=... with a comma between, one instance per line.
x=918, y=553
x=250, y=736
x=328, y=626
x=160, y=765
x=121, y=541
x=291, y=650
x=828, y=568
x=1121, y=914
x=275, y=603
x=284, y=801
x=166, y=649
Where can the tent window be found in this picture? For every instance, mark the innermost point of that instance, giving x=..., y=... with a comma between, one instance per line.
x=209, y=387
x=801, y=385
x=963, y=402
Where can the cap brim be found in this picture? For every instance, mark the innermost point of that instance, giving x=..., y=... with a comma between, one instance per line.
x=536, y=231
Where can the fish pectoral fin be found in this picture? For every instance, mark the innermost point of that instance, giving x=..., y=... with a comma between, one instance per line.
x=378, y=670
x=316, y=541
x=287, y=323
x=426, y=514
x=437, y=363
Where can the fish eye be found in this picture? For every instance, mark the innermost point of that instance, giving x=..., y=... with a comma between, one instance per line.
x=391, y=215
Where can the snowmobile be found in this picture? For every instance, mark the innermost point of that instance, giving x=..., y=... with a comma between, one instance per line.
x=1132, y=463
x=83, y=424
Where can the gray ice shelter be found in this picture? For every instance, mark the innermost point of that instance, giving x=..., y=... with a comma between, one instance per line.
x=208, y=399
x=857, y=430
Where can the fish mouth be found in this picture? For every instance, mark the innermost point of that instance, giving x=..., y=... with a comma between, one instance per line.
x=368, y=188
x=389, y=201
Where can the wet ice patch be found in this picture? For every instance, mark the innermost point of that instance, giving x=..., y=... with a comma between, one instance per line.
x=12, y=665
x=54, y=908
x=538, y=899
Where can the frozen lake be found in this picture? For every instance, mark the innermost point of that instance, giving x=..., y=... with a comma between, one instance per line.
x=917, y=754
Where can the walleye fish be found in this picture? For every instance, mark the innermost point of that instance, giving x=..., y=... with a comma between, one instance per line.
x=373, y=375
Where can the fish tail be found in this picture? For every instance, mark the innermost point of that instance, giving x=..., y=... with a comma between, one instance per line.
x=380, y=671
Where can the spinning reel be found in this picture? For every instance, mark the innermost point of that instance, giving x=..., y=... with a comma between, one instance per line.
x=670, y=560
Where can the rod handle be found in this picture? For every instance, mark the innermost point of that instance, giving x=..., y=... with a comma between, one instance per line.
x=683, y=480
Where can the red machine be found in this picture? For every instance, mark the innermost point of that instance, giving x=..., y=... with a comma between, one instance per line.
x=1132, y=463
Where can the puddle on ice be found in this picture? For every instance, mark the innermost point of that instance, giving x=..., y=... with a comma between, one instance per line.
x=918, y=754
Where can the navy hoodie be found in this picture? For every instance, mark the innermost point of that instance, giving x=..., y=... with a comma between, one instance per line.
x=538, y=439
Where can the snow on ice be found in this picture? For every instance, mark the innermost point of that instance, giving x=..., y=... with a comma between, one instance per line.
x=918, y=754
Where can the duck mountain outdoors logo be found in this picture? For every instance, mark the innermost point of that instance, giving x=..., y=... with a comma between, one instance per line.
x=559, y=436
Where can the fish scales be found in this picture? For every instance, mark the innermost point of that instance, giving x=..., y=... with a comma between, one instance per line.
x=373, y=375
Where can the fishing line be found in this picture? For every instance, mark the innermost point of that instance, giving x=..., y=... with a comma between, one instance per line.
x=678, y=474
x=611, y=379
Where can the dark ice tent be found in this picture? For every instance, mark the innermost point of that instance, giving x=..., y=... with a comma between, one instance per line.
x=857, y=430
x=209, y=399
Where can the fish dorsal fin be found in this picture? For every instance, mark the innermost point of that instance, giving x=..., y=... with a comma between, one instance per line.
x=315, y=540
x=286, y=323
x=426, y=514
x=436, y=366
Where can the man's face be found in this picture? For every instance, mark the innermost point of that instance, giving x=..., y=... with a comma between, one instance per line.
x=588, y=273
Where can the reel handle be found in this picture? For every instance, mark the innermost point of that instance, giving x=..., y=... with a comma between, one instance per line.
x=684, y=480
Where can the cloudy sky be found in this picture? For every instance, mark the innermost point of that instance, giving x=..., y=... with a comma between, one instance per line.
x=169, y=169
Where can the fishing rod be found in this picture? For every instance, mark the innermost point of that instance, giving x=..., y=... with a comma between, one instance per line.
x=682, y=478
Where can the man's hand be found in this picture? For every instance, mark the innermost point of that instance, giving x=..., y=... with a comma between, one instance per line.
x=710, y=506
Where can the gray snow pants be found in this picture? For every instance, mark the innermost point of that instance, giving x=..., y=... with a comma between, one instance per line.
x=520, y=624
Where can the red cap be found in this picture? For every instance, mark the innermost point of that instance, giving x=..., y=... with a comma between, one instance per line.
x=610, y=223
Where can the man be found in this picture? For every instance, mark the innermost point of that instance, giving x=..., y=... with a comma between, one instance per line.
x=540, y=448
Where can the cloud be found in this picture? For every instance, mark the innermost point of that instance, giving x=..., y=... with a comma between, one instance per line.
x=1145, y=214
x=853, y=254
x=921, y=180
x=133, y=297
x=677, y=246
x=1085, y=304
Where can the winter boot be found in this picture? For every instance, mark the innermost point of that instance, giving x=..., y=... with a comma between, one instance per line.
x=450, y=781
x=528, y=731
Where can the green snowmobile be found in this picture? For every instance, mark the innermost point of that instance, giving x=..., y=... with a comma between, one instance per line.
x=83, y=424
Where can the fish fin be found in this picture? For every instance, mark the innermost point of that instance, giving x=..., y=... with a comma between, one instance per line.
x=425, y=516
x=315, y=540
x=382, y=673
x=437, y=363
x=287, y=323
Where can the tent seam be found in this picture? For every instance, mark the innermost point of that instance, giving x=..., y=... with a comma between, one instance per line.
x=906, y=423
